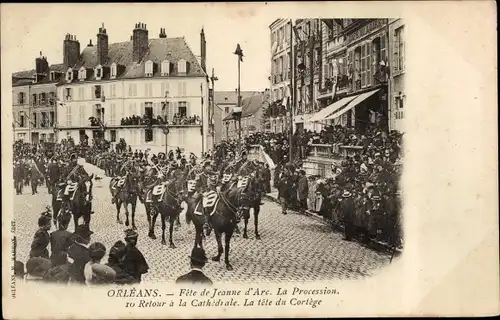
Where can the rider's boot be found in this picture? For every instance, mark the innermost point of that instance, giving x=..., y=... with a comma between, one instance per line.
x=207, y=226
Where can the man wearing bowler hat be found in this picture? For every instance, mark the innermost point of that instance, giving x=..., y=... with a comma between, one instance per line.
x=196, y=275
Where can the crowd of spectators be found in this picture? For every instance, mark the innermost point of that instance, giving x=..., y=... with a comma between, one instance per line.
x=178, y=119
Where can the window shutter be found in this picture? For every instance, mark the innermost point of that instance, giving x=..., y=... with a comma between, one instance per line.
x=369, y=63
x=142, y=110
x=163, y=89
x=179, y=89
x=402, y=53
x=184, y=92
x=395, y=49
x=171, y=112
x=188, y=109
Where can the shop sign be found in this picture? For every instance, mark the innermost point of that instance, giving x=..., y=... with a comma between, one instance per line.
x=363, y=31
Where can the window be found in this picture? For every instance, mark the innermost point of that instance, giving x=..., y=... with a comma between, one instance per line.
x=21, y=119
x=113, y=71
x=149, y=136
x=81, y=116
x=81, y=93
x=21, y=97
x=52, y=118
x=42, y=98
x=182, y=109
x=181, y=67
x=67, y=94
x=148, y=69
x=399, y=50
x=34, y=120
x=112, y=114
x=226, y=110
x=165, y=89
x=52, y=98
x=132, y=89
x=165, y=68
x=113, y=135
x=34, y=99
x=82, y=74
x=113, y=90
x=98, y=73
x=52, y=76
x=97, y=92
x=69, y=75
x=148, y=89
x=182, y=88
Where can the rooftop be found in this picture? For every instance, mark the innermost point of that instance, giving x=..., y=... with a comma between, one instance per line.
x=250, y=105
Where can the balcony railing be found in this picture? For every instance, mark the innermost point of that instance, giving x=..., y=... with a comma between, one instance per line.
x=336, y=150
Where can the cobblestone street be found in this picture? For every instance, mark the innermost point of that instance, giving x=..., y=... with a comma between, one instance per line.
x=292, y=248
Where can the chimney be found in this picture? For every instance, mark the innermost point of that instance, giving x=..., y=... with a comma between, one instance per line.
x=41, y=64
x=140, y=42
x=71, y=51
x=102, y=46
x=162, y=35
x=90, y=43
x=203, y=50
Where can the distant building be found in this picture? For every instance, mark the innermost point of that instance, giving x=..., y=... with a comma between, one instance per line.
x=34, y=101
x=397, y=96
x=155, y=80
x=251, y=117
x=225, y=101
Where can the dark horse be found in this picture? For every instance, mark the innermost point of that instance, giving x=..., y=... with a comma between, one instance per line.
x=164, y=199
x=224, y=218
x=255, y=189
x=75, y=197
x=125, y=190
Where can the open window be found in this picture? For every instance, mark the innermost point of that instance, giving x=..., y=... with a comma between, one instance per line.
x=82, y=74
x=113, y=71
x=148, y=72
x=165, y=68
x=98, y=72
x=69, y=75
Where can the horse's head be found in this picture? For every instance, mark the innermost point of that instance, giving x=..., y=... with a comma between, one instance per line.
x=179, y=187
x=86, y=185
x=132, y=182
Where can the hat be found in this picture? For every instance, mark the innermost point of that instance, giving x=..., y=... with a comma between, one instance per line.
x=37, y=266
x=82, y=231
x=198, y=255
x=346, y=194
x=73, y=156
x=19, y=268
x=375, y=197
x=102, y=273
x=44, y=219
x=64, y=218
x=117, y=248
x=97, y=251
x=131, y=234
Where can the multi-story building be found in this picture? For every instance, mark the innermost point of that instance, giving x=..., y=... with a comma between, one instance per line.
x=159, y=80
x=251, y=116
x=34, y=101
x=280, y=86
x=309, y=55
x=397, y=94
x=308, y=60
x=355, y=82
x=225, y=101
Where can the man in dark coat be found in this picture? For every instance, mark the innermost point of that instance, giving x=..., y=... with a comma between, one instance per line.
x=116, y=254
x=18, y=177
x=196, y=275
x=41, y=239
x=302, y=191
x=79, y=252
x=35, y=176
x=134, y=262
x=61, y=239
x=347, y=211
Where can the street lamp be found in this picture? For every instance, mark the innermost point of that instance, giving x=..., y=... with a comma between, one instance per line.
x=237, y=110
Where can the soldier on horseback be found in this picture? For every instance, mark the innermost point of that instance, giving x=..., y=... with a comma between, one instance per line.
x=76, y=173
x=207, y=182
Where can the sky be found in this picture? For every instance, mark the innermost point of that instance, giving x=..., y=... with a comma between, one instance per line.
x=28, y=29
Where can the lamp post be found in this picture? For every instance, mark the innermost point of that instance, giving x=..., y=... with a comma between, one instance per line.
x=213, y=78
x=165, y=127
x=237, y=111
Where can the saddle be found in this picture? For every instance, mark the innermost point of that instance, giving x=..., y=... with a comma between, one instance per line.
x=207, y=203
x=155, y=194
x=119, y=182
x=67, y=190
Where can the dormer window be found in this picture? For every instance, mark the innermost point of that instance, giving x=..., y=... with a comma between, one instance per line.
x=181, y=67
x=82, y=74
x=52, y=76
x=165, y=68
x=113, y=71
x=98, y=72
x=69, y=75
x=148, y=69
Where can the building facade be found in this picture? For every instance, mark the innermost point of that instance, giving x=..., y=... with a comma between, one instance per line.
x=397, y=96
x=151, y=92
x=34, y=102
x=225, y=101
x=252, y=116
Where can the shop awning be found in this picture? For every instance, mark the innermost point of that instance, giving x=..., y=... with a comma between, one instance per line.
x=325, y=112
x=358, y=99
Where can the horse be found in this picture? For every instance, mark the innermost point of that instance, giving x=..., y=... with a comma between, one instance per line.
x=76, y=198
x=251, y=178
x=164, y=199
x=125, y=190
x=225, y=207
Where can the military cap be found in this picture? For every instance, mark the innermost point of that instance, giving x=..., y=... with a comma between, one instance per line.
x=97, y=250
x=131, y=234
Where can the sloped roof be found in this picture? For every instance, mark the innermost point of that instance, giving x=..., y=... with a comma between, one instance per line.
x=22, y=78
x=250, y=105
x=121, y=53
x=231, y=97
